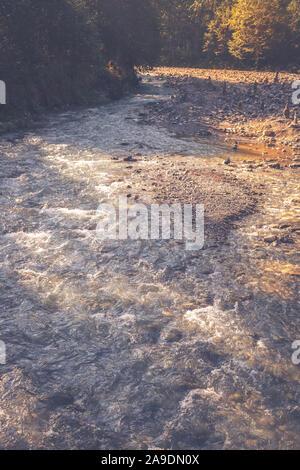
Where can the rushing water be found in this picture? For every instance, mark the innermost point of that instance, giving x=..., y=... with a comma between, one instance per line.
x=136, y=344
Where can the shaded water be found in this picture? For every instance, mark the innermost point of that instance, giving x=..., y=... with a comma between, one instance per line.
x=136, y=344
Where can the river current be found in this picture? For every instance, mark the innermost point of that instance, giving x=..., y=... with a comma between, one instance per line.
x=137, y=344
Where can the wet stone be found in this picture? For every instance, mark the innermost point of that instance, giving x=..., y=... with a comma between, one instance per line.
x=172, y=335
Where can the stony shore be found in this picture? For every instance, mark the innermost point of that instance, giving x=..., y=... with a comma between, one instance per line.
x=226, y=197
x=241, y=106
x=259, y=142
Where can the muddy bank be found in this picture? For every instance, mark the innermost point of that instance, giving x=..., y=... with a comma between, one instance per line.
x=239, y=105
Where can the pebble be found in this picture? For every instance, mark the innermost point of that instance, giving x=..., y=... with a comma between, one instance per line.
x=270, y=239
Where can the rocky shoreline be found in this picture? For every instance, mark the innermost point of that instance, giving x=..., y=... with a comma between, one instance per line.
x=226, y=197
x=228, y=193
x=258, y=143
x=240, y=106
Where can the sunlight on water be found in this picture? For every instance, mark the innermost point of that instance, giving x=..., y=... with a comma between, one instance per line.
x=131, y=344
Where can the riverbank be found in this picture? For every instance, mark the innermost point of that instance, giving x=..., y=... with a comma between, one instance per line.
x=114, y=83
x=240, y=106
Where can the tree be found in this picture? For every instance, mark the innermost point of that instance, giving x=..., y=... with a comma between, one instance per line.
x=294, y=21
x=260, y=31
x=177, y=30
x=128, y=30
x=219, y=31
x=56, y=52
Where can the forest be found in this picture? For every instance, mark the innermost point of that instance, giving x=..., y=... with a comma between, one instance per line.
x=54, y=53
x=57, y=52
x=243, y=33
